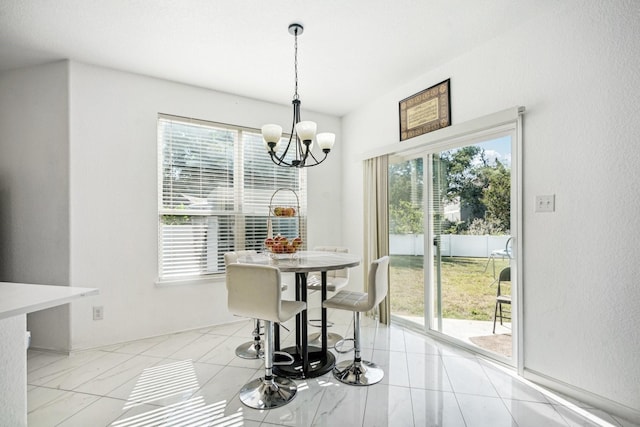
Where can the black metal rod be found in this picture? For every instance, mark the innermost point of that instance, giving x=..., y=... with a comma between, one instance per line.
x=306, y=367
x=299, y=315
x=323, y=293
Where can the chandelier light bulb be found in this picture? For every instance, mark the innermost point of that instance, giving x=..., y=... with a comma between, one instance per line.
x=326, y=140
x=306, y=130
x=272, y=133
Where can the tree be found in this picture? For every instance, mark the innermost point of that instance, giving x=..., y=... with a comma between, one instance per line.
x=461, y=176
x=464, y=179
x=482, y=189
x=405, y=218
x=406, y=181
x=406, y=197
x=497, y=196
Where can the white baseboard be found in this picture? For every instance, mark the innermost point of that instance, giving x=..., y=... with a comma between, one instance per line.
x=592, y=399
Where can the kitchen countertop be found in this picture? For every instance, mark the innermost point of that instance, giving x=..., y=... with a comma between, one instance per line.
x=21, y=298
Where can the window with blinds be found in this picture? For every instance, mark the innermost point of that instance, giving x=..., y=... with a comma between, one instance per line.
x=215, y=183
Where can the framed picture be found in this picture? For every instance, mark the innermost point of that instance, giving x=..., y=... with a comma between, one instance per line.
x=425, y=111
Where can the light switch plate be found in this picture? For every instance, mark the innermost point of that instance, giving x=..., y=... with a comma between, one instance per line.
x=546, y=203
x=98, y=312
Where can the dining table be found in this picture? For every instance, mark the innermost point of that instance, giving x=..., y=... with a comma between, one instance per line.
x=308, y=361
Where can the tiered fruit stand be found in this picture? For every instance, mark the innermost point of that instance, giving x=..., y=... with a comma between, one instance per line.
x=282, y=212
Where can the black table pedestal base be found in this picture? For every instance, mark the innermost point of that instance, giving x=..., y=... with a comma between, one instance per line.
x=319, y=363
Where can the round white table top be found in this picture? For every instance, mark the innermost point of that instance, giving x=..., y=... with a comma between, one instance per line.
x=303, y=261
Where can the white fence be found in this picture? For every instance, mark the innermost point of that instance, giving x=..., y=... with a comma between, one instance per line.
x=452, y=245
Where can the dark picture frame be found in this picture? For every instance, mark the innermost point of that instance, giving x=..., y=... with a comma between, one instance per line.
x=426, y=111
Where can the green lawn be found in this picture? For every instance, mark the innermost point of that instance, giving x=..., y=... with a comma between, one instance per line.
x=466, y=293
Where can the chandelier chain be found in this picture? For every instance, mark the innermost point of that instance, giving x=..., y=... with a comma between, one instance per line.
x=295, y=64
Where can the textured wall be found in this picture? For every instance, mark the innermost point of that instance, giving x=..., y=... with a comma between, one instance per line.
x=577, y=72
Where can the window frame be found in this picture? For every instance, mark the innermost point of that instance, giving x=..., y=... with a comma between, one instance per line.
x=244, y=205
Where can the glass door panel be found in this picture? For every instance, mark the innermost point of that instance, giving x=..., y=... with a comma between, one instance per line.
x=406, y=235
x=471, y=226
x=445, y=265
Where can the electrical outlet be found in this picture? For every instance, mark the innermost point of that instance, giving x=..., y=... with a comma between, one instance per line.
x=546, y=203
x=98, y=312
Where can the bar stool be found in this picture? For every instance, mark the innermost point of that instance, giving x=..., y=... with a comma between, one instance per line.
x=358, y=371
x=336, y=280
x=251, y=349
x=262, y=301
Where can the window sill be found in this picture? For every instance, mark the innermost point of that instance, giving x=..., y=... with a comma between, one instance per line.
x=207, y=280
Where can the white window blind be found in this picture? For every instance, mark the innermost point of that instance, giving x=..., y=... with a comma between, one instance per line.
x=215, y=185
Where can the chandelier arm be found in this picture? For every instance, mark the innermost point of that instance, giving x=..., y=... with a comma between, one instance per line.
x=317, y=162
x=284, y=154
x=280, y=161
x=314, y=157
x=306, y=154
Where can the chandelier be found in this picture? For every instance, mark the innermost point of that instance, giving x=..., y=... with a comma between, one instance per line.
x=302, y=132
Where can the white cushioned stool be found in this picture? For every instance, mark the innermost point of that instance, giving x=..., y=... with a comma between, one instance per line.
x=358, y=371
x=251, y=349
x=255, y=291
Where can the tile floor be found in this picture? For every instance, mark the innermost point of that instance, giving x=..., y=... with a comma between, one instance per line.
x=193, y=378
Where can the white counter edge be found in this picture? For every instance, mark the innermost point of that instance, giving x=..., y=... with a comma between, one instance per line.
x=22, y=298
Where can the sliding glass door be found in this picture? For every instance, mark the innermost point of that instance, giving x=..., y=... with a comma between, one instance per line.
x=406, y=228
x=452, y=226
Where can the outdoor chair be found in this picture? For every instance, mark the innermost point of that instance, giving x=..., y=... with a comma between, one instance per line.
x=504, y=253
x=501, y=298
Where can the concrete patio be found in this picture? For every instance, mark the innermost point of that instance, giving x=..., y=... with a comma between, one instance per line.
x=460, y=329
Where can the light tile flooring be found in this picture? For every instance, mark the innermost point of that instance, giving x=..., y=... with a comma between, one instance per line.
x=193, y=378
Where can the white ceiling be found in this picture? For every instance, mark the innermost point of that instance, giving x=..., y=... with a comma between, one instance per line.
x=351, y=50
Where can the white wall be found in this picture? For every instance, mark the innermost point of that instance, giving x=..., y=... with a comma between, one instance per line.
x=577, y=71
x=78, y=186
x=114, y=200
x=34, y=189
